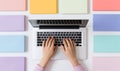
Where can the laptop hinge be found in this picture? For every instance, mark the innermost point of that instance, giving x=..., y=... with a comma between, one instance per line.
x=58, y=27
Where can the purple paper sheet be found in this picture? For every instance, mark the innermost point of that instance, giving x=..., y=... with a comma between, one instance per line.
x=12, y=64
x=12, y=23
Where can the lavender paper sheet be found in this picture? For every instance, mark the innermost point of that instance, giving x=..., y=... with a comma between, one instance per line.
x=12, y=23
x=12, y=63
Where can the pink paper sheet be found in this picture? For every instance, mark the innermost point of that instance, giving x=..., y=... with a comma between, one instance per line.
x=106, y=5
x=106, y=64
x=13, y=5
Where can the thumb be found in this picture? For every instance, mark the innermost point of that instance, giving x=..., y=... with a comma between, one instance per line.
x=56, y=47
x=63, y=48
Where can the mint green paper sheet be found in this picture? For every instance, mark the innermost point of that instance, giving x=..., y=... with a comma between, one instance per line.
x=107, y=43
x=73, y=6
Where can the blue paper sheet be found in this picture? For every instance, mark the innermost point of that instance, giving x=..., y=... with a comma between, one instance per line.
x=12, y=43
x=106, y=22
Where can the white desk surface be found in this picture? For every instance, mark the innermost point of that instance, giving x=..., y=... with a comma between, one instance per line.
x=59, y=65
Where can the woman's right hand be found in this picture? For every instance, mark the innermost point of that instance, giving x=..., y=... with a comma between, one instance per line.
x=69, y=49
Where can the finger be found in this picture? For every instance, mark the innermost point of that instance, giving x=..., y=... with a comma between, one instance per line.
x=53, y=42
x=50, y=42
x=68, y=43
x=43, y=43
x=55, y=49
x=74, y=44
x=71, y=43
x=65, y=43
x=63, y=48
x=47, y=42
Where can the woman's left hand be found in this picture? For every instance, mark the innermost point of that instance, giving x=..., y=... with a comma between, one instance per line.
x=48, y=51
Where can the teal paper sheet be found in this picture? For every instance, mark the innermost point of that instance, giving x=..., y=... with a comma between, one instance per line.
x=107, y=43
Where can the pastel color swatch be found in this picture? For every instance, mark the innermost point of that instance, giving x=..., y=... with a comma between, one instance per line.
x=107, y=43
x=106, y=64
x=43, y=6
x=73, y=6
x=12, y=23
x=13, y=5
x=106, y=22
x=12, y=43
x=106, y=5
x=12, y=63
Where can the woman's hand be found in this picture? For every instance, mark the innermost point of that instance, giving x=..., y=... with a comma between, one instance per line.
x=48, y=51
x=69, y=49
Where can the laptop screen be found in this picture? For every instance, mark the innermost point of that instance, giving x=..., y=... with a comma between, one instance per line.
x=59, y=24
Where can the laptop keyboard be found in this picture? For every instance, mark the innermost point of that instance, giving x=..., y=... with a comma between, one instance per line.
x=59, y=36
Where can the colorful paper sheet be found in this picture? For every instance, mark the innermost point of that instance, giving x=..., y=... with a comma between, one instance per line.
x=73, y=6
x=106, y=64
x=12, y=64
x=13, y=5
x=107, y=43
x=12, y=43
x=43, y=6
x=106, y=5
x=10, y=23
x=106, y=22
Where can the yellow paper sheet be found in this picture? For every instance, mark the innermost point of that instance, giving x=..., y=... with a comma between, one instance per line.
x=43, y=6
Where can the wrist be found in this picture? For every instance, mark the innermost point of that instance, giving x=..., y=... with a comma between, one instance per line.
x=74, y=62
x=44, y=61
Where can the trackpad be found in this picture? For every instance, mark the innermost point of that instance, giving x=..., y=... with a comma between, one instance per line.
x=59, y=54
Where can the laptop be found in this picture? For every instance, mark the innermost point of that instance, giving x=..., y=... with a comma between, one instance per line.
x=76, y=29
